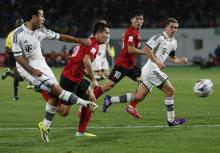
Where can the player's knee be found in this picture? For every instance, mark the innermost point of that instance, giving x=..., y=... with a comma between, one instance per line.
x=139, y=97
x=171, y=92
x=62, y=112
x=92, y=98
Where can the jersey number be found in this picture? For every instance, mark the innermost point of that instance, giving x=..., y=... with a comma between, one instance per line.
x=117, y=74
x=164, y=51
x=75, y=51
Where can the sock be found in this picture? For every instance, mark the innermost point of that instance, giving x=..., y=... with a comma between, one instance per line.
x=133, y=104
x=170, y=109
x=69, y=98
x=84, y=119
x=45, y=95
x=98, y=92
x=123, y=99
x=16, y=84
x=50, y=112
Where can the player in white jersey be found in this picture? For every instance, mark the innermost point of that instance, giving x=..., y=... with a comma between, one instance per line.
x=100, y=64
x=157, y=49
x=26, y=40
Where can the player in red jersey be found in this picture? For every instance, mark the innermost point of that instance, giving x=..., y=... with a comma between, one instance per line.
x=72, y=77
x=125, y=65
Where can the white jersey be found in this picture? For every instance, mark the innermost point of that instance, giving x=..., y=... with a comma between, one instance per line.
x=162, y=45
x=100, y=62
x=28, y=42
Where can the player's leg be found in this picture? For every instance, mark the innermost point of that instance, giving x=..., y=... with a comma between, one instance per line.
x=142, y=91
x=9, y=71
x=115, y=76
x=48, y=82
x=134, y=74
x=105, y=69
x=86, y=114
x=169, y=91
x=16, y=83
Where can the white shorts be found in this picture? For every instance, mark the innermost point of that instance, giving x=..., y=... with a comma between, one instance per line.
x=152, y=78
x=100, y=64
x=43, y=82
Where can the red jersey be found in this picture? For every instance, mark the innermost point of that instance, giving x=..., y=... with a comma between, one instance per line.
x=131, y=38
x=75, y=69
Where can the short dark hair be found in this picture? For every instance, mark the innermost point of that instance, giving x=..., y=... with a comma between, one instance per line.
x=171, y=20
x=32, y=10
x=99, y=27
x=137, y=13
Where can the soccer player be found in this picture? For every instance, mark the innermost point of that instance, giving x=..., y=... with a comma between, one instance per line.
x=14, y=73
x=100, y=64
x=72, y=75
x=26, y=40
x=125, y=65
x=157, y=49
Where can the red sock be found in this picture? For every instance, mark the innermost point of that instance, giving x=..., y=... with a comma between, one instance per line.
x=133, y=103
x=84, y=119
x=45, y=95
x=98, y=92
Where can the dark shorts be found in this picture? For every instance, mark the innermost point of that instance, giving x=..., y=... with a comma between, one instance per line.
x=119, y=73
x=77, y=88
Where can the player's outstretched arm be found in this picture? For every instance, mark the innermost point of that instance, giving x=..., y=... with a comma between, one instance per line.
x=68, y=38
x=178, y=60
x=134, y=50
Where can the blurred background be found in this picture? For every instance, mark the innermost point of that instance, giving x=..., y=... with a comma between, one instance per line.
x=198, y=35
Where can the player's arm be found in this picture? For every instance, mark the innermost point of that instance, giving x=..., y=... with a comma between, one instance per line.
x=68, y=38
x=88, y=66
x=178, y=60
x=149, y=53
x=133, y=50
x=27, y=66
x=131, y=45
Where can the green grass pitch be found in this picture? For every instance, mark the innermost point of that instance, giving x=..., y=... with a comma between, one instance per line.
x=117, y=132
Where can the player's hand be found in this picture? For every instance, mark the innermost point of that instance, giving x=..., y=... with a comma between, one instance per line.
x=160, y=65
x=36, y=73
x=86, y=42
x=95, y=83
x=184, y=60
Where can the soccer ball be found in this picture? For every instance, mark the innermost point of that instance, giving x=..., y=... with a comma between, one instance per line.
x=203, y=87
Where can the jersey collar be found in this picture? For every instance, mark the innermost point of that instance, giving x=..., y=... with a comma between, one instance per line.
x=167, y=37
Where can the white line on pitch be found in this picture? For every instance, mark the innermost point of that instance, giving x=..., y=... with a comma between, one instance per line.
x=107, y=127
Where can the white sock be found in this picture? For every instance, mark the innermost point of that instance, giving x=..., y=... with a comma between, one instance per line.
x=169, y=102
x=47, y=123
x=82, y=102
x=50, y=112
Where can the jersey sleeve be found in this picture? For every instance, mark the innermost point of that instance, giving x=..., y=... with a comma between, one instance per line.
x=16, y=47
x=49, y=34
x=8, y=41
x=153, y=41
x=173, y=52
